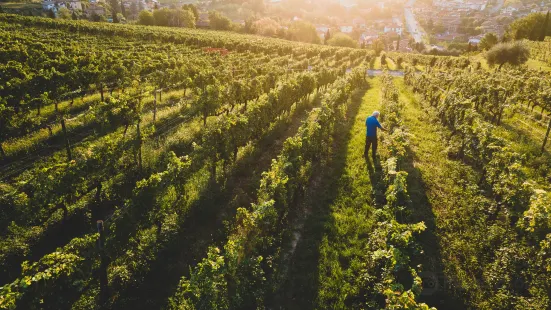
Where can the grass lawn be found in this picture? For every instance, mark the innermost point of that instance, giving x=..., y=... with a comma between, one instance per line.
x=21, y=5
x=538, y=65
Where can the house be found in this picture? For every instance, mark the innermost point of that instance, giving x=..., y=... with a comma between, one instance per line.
x=509, y=10
x=322, y=28
x=453, y=25
x=447, y=37
x=359, y=23
x=49, y=5
x=394, y=27
x=348, y=4
x=368, y=37
x=346, y=28
x=479, y=5
x=475, y=40
x=74, y=5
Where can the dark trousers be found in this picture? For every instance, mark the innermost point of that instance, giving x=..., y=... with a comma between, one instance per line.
x=370, y=141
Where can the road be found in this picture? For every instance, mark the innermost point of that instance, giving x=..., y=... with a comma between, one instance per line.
x=411, y=23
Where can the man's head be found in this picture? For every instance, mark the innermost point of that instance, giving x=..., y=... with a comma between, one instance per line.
x=376, y=114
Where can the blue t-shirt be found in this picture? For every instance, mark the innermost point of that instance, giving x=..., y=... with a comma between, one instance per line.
x=372, y=123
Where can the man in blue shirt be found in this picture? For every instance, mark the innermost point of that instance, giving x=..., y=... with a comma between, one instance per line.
x=372, y=124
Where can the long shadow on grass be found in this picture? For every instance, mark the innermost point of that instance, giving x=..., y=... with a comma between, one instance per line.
x=378, y=184
x=300, y=289
x=24, y=159
x=204, y=224
x=435, y=284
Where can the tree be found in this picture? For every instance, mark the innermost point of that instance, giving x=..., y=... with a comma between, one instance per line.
x=378, y=46
x=133, y=10
x=327, y=36
x=95, y=17
x=219, y=21
x=183, y=18
x=193, y=9
x=121, y=18
x=114, y=10
x=162, y=17
x=545, y=28
x=512, y=53
x=146, y=18
x=341, y=39
x=64, y=13
x=304, y=32
x=266, y=27
x=123, y=11
x=529, y=27
x=258, y=6
x=74, y=16
x=51, y=13
x=488, y=41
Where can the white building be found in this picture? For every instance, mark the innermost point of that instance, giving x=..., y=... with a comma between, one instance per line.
x=74, y=5
x=393, y=28
x=56, y=5
x=346, y=29
x=49, y=5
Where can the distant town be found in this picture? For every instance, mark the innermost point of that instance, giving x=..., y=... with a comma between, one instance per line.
x=407, y=26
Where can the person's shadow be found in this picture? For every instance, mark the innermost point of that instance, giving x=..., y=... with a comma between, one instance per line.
x=375, y=171
x=373, y=164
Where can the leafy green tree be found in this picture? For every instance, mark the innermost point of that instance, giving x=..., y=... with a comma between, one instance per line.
x=488, y=41
x=258, y=6
x=529, y=27
x=95, y=17
x=123, y=11
x=193, y=9
x=64, y=13
x=183, y=18
x=545, y=28
x=304, y=32
x=512, y=53
x=133, y=10
x=162, y=17
x=114, y=10
x=146, y=18
x=341, y=39
x=378, y=46
x=218, y=21
x=121, y=18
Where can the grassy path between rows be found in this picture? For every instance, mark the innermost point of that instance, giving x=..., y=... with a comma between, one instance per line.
x=323, y=270
x=437, y=187
x=351, y=222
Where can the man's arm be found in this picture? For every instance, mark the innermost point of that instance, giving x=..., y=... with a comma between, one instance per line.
x=380, y=126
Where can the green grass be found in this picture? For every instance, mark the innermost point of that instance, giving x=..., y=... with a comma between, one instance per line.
x=377, y=63
x=391, y=64
x=537, y=65
x=463, y=243
x=351, y=222
x=20, y=5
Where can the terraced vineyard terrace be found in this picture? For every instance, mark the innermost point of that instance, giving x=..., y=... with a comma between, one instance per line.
x=162, y=168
